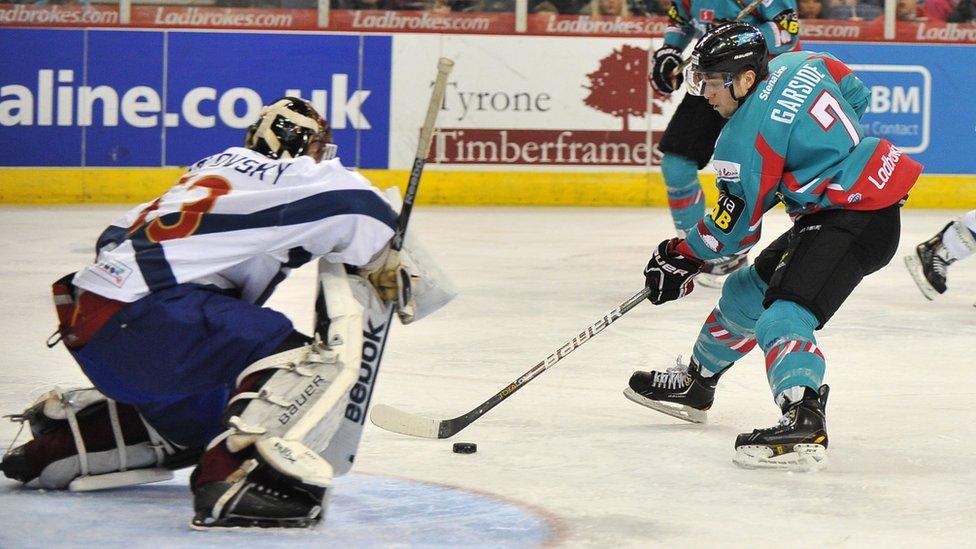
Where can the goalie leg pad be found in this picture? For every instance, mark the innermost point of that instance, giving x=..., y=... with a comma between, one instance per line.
x=84, y=441
x=305, y=396
x=280, y=422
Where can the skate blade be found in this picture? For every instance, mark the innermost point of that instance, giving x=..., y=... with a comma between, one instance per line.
x=706, y=280
x=687, y=413
x=803, y=458
x=915, y=269
x=204, y=523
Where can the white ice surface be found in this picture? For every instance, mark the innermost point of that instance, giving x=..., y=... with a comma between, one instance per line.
x=600, y=470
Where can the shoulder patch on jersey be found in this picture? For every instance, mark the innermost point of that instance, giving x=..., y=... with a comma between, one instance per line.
x=726, y=213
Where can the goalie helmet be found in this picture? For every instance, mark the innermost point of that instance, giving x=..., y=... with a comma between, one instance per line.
x=288, y=128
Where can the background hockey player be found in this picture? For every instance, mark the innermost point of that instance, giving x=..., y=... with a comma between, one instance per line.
x=168, y=325
x=930, y=264
x=689, y=139
x=792, y=136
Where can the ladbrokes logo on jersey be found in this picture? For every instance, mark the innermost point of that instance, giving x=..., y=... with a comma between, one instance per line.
x=618, y=88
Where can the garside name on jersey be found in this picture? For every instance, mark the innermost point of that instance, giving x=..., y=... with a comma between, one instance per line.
x=242, y=164
x=794, y=94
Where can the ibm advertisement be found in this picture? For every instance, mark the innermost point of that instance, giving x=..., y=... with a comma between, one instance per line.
x=176, y=96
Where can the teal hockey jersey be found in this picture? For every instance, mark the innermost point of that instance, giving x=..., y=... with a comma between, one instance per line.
x=776, y=19
x=797, y=139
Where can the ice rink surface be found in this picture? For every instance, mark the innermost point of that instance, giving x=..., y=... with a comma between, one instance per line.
x=567, y=460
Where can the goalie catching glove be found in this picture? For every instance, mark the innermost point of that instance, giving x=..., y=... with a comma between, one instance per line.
x=670, y=274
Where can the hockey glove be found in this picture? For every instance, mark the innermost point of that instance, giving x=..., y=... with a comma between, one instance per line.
x=670, y=275
x=666, y=60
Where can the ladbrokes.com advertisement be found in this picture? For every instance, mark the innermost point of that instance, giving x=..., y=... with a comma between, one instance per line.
x=129, y=98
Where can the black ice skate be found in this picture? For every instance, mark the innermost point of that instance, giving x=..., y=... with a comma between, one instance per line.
x=714, y=271
x=930, y=264
x=798, y=442
x=680, y=391
x=255, y=503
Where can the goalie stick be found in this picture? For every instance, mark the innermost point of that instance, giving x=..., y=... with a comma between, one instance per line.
x=406, y=423
x=342, y=448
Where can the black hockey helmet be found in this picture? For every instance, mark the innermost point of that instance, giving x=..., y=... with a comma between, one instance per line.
x=728, y=50
x=288, y=128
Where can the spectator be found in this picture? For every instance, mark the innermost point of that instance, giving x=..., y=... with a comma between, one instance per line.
x=810, y=9
x=491, y=6
x=600, y=8
x=908, y=10
x=939, y=10
x=965, y=12
x=437, y=6
x=852, y=10
x=657, y=7
x=545, y=8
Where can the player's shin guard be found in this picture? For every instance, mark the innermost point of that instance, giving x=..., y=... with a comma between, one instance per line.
x=785, y=332
x=795, y=369
x=84, y=441
x=268, y=469
x=729, y=331
x=685, y=197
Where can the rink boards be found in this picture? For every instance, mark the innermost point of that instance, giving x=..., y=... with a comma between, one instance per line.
x=526, y=119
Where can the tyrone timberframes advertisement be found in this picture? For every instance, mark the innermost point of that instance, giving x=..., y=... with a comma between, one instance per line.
x=528, y=103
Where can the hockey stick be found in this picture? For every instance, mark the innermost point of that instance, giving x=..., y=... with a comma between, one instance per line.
x=398, y=421
x=444, y=66
x=742, y=13
x=342, y=447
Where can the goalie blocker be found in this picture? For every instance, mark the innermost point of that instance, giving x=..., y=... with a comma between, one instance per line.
x=295, y=421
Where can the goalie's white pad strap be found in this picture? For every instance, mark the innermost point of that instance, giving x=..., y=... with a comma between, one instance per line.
x=113, y=416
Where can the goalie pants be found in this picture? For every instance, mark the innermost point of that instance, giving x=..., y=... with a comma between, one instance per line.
x=794, y=287
x=175, y=355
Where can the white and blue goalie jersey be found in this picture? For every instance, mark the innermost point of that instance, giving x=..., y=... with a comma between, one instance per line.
x=239, y=221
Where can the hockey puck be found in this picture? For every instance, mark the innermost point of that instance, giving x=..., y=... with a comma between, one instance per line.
x=465, y=447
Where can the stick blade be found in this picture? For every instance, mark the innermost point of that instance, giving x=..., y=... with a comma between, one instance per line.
x=405, y=423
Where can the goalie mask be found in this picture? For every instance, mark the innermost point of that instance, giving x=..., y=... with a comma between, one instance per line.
x=288, y=128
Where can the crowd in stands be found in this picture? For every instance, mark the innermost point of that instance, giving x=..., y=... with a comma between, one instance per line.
x=850, y=10
x=953, y=11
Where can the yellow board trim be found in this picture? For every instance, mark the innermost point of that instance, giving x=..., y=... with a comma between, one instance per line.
x=454, y=188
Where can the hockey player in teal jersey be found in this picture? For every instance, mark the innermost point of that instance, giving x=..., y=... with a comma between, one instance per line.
x=792, y=137
x=689, y=139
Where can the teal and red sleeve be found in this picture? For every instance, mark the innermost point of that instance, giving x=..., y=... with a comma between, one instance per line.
x=681, y=30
